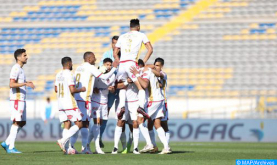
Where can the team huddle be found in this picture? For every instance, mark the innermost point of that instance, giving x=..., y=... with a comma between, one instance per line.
x=136, y=89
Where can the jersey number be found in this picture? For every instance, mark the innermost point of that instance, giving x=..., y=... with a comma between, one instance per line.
x=78, y=76
x=61, y=92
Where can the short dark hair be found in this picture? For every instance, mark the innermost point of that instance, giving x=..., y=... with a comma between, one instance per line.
x=65, y=60
x=107, y=60
x=86, y=54
x=159, y=60
x=140, y=62
x=134, y=23
x=115, y=38
x=18, y=52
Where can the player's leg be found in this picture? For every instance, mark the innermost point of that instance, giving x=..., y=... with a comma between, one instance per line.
x=145, y=133
x=152, y=135
x=164, y=123
x=121, y=76
x=123, y=137
x=96, y=134
x=84, y=133
x=117, y=134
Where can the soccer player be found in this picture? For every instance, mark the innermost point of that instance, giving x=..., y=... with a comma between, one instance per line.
x=129, y=44
x=109, y=53
x=155, y=105
x=68, y=110
x=18, y=85
x=99, y=101
x=85, y=75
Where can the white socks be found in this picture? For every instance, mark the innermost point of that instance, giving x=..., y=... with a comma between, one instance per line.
x=162, y=137
x=65, y=131
x=117, y=134
x=167, y=135
x=141, y=96
x=11, y=138
x=152, y=136
x=84, y=133
x=73, y=139
x=136, y=137
x=123, y=140
x=96, y=134
x=145, y=134
x=70, y=133
x=122, y=96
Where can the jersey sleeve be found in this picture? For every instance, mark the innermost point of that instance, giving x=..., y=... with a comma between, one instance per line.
x=118, y=44
x=164, y=75
x=146, y=74
x=144, y=38
x=14, y=73
x=71, y=80
x=95, y=72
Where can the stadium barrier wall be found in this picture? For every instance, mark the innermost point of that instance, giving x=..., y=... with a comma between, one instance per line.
x=202, y=130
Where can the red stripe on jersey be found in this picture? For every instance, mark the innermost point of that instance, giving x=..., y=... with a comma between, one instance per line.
x=18, y=100
x=99, y=103
x=68, y=109
x=128, y=61
x=131, y=101
x=99, y=75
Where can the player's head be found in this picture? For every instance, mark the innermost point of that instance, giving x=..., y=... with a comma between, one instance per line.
x=141, y=63
x=67, y=63
x=89, y=57
x=134, y=24
x=159, y=63
x=114, y=41
x=20, y=55
x=48, y=99
x=107, y=62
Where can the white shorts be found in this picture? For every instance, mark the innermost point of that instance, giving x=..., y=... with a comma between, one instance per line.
x=85, y=108
x=70, y=114
x=124, y=71
x=165, y=111
x=131, y=108
x=99, y=110
x=18, y=110
x=155, y=109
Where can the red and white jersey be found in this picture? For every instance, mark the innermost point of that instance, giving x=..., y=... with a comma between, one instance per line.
x=130, y=44
x=64, y=79
x=102, y=85
x=85, y=76
x=164, y=85
x=18, y=75
x=154, y=92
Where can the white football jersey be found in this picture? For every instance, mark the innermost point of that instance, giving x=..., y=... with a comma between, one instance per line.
x=164, y=85
x=18, y=75
x=130, y=44
x=102, y=85
x=154, y=92
x=85, y=76
x=64, y=79
x=132, y=93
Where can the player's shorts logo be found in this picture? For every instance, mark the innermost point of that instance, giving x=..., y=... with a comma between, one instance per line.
x=69, y=117
x=149, y=104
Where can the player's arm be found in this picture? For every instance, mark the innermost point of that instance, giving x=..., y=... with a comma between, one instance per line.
x=56, y=89
x=96, y=73
x=143, y=82
x=149, y=51
x=115, y=53
x=111, y=89
x=14, y=84
x=121, y=85
x=76, y=90
x=158, y=74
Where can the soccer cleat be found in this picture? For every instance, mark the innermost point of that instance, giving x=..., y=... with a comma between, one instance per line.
x=121, y=113
x=101, y=144
x=147, y=148
x=99, y=151
x=142, y=111
x=59, y=142
x=89, y=150
x=165, y=151
x=129, y=147
x=13, y=151
x=125, y=151
x=70, y=151
x=154, y=150
x=115, y=151
x=5, y=146
x=136, y=151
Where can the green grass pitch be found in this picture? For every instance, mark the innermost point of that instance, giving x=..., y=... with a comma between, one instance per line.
x=191, y=153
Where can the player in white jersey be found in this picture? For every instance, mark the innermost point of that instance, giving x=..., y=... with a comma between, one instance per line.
x=18, y=85
x=154, y=106
x=100, y=102
x=67, y=105
x=129, y=44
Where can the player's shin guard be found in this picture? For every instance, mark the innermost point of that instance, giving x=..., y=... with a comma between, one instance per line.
x=117, y=134
x=145, y=133
x=84, y=133
x=136, y=137
x=96, y=134
x=152, y=136
x=123, y=140
x=102, y=128
x=162, y=137
x=141, y=96
x=167, y=135
x=12, y=136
